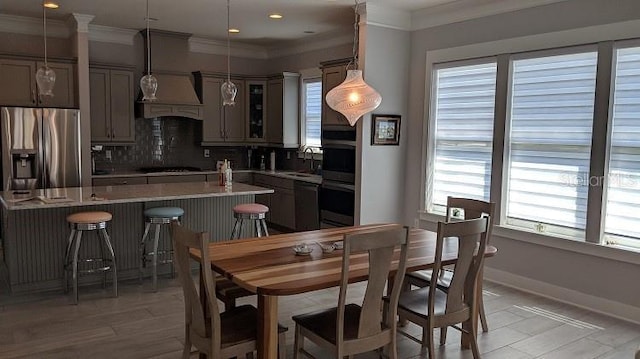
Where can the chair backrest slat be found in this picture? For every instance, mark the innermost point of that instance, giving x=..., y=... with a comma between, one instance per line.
x=472, y=237
x=380, y=245
x=185, y=240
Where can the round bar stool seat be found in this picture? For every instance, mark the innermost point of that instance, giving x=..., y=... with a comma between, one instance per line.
x=79, y=223
x=252, y=211
x=157, y=216
x=89, y=217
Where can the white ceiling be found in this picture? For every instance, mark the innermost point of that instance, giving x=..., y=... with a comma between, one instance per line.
x=207, y=18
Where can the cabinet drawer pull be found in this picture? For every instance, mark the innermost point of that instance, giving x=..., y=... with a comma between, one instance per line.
x=123, y=182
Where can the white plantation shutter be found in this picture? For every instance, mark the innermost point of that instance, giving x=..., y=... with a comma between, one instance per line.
x=623, y=185
x=463, y=106
x=551, y=114
x=313, y=106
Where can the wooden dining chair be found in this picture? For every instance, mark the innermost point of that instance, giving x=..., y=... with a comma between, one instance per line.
x=349, y=329
x=430, y=307
x=458, y=209
x=231, y=333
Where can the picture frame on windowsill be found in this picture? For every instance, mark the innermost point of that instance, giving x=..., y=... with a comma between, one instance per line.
x=385, y=130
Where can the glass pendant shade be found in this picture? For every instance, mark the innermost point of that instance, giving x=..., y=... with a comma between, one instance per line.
x=46, y=79
x=229, y=92
x=353, y=97
x=149, y=86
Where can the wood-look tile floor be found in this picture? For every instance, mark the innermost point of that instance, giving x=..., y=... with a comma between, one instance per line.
x=142, y=324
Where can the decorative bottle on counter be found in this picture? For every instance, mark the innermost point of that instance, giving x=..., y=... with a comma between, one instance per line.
x=272, y=161
x=221, y=173
x=227, y=175
x=262, y=165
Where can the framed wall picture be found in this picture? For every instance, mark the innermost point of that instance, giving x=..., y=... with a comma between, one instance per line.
x=385, y=130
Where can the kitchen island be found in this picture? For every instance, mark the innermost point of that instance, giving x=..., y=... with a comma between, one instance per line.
x=35, y=231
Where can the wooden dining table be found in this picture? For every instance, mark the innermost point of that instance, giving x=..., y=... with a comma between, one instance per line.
x=269, y=267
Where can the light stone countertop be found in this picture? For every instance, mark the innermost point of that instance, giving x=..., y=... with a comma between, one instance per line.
x=305, y=177
x=82, y=196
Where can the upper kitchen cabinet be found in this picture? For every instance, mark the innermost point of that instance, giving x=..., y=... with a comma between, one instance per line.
x=283, y=97
x=18, y=79
x=256, y=109
x=220, y=124
x=333, y=73
x=112, y=105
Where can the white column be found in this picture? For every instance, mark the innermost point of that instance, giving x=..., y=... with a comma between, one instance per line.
x=81, y=50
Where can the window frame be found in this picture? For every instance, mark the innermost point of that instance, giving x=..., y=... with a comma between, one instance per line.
x=430, y=207
x=601, y=35
x=613, y=240
x=303, y=111
x=520, y=223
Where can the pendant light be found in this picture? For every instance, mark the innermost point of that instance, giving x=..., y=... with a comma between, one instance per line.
x=148, y=82
x=228, y=88
x=353, y=97
x=45, y=76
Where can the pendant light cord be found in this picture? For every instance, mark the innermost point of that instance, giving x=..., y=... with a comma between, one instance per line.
x=148, y=43
x=44, y=28
x=228, y=44
x=356, y=41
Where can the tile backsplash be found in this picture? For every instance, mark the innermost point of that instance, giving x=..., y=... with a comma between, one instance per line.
x=167, y=142
x=175, y=141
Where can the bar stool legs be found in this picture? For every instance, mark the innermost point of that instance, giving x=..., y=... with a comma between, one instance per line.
x=89, y=221
x=251, y=211
x=157, y=217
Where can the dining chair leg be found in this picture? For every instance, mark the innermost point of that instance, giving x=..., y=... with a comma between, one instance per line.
x=430, y=343
x=298, y=342
x=443, y=335
x=282, y=346
x=474, y=339
x=186, y=351
x=483, y=316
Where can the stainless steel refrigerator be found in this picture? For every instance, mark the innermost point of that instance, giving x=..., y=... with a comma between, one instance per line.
x=40, y=148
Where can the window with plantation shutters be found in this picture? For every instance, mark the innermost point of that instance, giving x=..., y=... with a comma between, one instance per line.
x=622, y=219
x=312, y=107
x=463, y=113
x=549, y=141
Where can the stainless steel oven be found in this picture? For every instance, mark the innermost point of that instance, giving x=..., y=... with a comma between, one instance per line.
x=337, y=192
x=337, y=201
x=339, y=163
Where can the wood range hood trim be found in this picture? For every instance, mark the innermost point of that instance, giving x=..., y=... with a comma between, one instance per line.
x=176, y=98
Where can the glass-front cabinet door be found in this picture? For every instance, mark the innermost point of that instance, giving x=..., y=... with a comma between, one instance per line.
x=256, y=112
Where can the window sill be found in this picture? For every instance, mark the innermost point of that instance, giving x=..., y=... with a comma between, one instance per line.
x=626, y=255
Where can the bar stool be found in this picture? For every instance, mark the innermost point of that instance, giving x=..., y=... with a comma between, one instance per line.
x=252, y=211
x=89, y=221
x=156, y=216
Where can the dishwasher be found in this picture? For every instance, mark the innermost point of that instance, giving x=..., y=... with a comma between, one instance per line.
x=306, y=204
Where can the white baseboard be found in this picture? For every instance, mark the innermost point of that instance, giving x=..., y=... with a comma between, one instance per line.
x=596, y=304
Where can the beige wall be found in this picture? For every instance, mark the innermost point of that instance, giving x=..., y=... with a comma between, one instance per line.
x=595, y=281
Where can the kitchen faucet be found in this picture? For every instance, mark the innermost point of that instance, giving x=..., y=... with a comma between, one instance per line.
x=304, y=156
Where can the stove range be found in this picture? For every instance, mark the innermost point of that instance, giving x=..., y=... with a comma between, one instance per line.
x=169, y=169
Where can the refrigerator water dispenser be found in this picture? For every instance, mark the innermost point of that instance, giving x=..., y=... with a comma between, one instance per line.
x=24, y=165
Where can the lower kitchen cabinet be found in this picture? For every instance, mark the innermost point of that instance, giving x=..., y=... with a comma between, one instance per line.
x=281, y=203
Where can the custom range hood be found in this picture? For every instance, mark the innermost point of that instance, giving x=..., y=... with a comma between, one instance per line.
x=176, y=96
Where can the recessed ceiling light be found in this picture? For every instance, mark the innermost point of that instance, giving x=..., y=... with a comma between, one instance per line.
x=50, y=5
x=234, y=31
x=275, y=16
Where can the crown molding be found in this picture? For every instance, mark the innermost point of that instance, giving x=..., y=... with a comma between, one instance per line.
x=386, y=17
x=113, y=35
x=463, y=10
x=311, y=44
x=33, y=26
x=215, y=47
